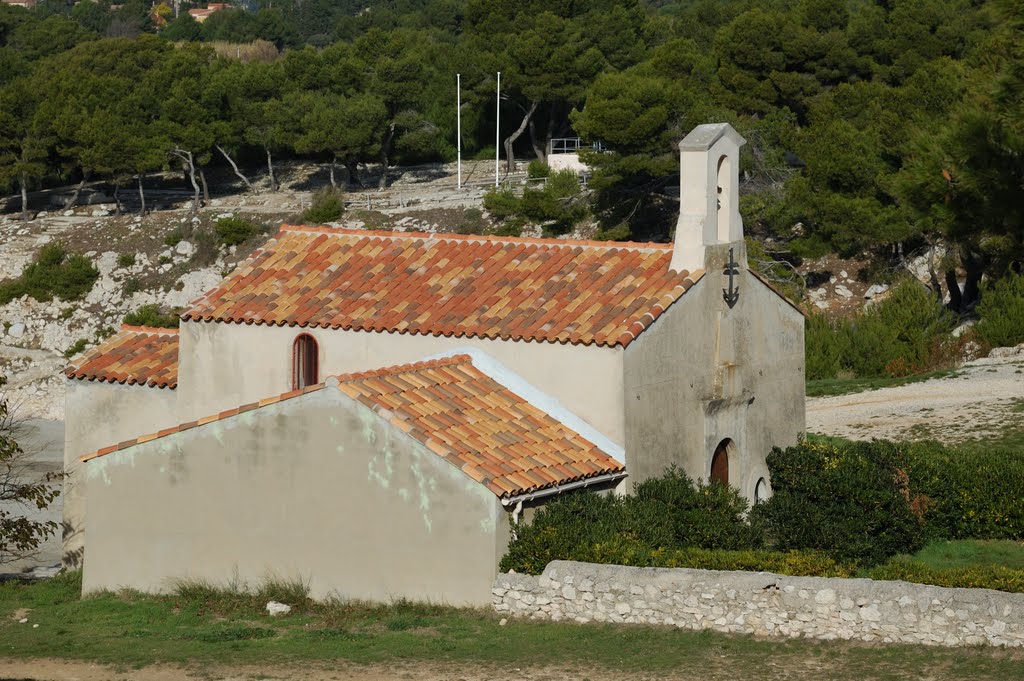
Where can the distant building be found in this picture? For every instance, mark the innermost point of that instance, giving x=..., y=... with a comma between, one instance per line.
x=28, y=4
x=202, y=14
x=564, y=154
x=405, y=396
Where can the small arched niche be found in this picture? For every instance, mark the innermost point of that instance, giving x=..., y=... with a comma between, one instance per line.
x=761, y=491
x=305, y=362
x=720, y=462
x=725, y=190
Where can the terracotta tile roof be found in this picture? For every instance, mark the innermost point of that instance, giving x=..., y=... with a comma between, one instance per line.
x=463, y=415
x=493, y=435
x=136, y=355
x=587, y=292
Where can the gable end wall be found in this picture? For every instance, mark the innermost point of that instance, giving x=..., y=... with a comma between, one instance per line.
x=317, y=488
x=703, y=373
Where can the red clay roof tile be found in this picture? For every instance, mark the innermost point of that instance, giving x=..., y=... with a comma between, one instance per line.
x=136, y=355
x=585, y=292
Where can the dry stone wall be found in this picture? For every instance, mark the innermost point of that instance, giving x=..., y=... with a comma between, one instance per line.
x=765, y=604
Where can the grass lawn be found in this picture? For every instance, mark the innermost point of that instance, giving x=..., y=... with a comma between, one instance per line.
x=844, y=386
x=201, y=626
x=1010, y=437
x=943, y=555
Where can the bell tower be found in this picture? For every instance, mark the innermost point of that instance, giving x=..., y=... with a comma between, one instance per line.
x=709, y=207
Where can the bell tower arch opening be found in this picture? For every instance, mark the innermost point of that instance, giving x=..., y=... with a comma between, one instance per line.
x=725, y=190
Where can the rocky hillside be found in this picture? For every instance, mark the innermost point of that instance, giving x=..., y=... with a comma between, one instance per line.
x=172, y=256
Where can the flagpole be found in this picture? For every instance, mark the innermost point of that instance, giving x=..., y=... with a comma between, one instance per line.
x=497, y=131
x=458, y=110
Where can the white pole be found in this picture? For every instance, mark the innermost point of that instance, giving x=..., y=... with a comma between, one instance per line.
x=497, y=131
x=458, y=108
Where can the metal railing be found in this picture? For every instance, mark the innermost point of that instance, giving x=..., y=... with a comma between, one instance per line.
x=572, y=145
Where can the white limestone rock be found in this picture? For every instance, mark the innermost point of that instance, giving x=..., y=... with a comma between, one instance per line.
x=875, y=290
x=275, y=609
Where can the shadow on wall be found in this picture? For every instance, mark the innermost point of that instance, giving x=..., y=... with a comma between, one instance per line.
x=73, y=559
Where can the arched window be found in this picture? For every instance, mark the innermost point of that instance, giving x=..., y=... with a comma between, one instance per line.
x=724, y=197
x=305, y=362
x=720, y=462
x=761, y=491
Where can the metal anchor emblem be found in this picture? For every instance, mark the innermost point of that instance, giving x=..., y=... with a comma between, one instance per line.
x=733, y=293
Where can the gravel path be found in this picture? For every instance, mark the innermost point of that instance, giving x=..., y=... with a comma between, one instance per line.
x=982, y=399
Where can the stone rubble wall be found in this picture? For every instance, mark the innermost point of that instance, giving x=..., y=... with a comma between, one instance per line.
x=765, y=604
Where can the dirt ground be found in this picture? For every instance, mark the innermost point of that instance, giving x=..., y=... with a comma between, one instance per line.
x=983, y=399
x=60, y=670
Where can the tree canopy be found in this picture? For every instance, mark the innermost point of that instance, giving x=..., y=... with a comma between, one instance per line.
x=878, y=125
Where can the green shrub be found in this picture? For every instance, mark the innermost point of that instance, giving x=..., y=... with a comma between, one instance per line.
x=617, y=233
x=125, y=259
x=508, y=228
x=851, y=502
x=76, y=348
x=562, y=530
x=665, y=514
x=501, y=203
x=233, y=231
x=484, y=154
x=131, y=285
x=52, y=273
x=793, y=563
x=921, y=325
x=625, y=549
x=150, y=315
x=907, y=569
x=563, y=184
x=1001, y=312
x=555, y=205
x=964, y=494
x=539, y=206
x=670, y=511
x=472, y=222
x=538, y=169
x=328, y=205
x=827, y=348
x=174, y=237
x=908, y=332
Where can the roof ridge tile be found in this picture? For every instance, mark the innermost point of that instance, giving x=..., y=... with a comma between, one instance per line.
x=149, y=329
x=485, y=238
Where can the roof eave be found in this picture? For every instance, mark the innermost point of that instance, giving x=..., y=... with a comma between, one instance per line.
x=567, y=487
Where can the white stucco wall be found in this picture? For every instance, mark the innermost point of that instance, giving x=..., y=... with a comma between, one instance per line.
x=572, y=162
x=317, y=488
x=99, y=415
x=703, y=373
x=226, y=365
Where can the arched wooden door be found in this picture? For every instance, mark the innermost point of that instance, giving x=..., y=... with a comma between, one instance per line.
x=720, y=462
